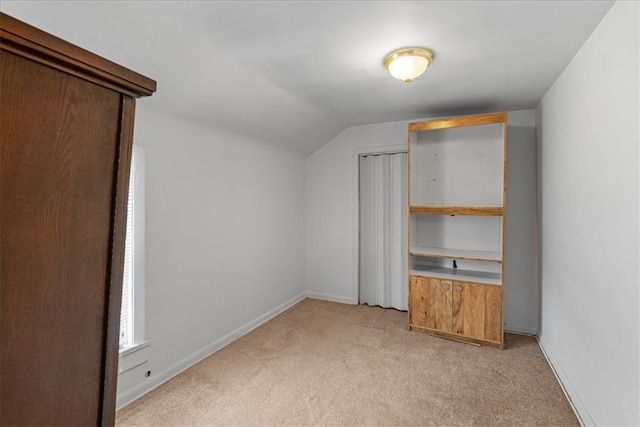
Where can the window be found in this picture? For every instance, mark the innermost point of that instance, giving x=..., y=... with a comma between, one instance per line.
x=132, y=310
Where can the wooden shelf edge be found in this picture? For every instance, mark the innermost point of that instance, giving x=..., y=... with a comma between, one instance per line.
x=480, y=119
x=460, y=277
x=469, y=257
x=458, y=337
x=457, y=210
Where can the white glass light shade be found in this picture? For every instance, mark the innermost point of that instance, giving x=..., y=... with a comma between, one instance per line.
x=407, y=64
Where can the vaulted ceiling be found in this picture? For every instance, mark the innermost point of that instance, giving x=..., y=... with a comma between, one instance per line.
x=299, y=72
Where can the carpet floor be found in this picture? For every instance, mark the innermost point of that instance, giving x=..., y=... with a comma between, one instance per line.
x=325, y=363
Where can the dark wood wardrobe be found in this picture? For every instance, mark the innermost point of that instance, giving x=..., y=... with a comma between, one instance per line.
x=66, y=132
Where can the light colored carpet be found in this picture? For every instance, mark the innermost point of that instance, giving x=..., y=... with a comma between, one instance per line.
x=325, y=363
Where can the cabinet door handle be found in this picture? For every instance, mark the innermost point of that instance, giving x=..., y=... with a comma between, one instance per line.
x=445, y=286
x=459, y=288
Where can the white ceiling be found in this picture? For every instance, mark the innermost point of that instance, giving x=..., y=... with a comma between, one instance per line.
x=299, y=72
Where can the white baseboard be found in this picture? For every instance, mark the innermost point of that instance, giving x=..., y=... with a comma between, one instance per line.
x=572, y=396
x=520, y=330
x=329, y=297
x=526, y=334
x=164, y=376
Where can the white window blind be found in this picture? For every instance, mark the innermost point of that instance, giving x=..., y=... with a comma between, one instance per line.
x=126, y=310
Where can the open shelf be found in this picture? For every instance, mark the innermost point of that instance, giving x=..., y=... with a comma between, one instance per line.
x=457, y=274
x=457, y=166
x=456, y=254
x=457, y=210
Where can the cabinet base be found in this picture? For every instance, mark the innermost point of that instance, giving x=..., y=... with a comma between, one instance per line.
x=457, y=338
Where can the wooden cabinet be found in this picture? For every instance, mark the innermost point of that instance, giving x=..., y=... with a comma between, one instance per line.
x=457, y=187
x=66, y=130
x=468, y=310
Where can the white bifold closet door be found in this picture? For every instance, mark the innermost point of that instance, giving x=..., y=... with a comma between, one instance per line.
x=383, y=230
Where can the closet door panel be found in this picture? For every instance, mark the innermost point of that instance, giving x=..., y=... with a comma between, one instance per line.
x=58, y=160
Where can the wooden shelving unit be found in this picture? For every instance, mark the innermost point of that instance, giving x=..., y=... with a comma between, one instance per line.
x=457, y=188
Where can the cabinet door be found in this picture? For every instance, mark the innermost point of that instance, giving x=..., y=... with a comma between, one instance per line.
x=430, y=303
x=469, y=309
x=477, y=311
x=419, y=298
x=493, y=314
x=441, y=304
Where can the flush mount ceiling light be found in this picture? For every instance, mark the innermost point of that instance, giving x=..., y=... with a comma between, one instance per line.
x=408, y=63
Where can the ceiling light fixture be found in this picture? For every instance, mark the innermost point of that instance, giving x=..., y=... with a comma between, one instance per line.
x=408, y=63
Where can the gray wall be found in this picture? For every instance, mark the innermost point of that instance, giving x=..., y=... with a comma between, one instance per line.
x=521, y=291
x=587, y=128
x=224, y=241
x=332, y=226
